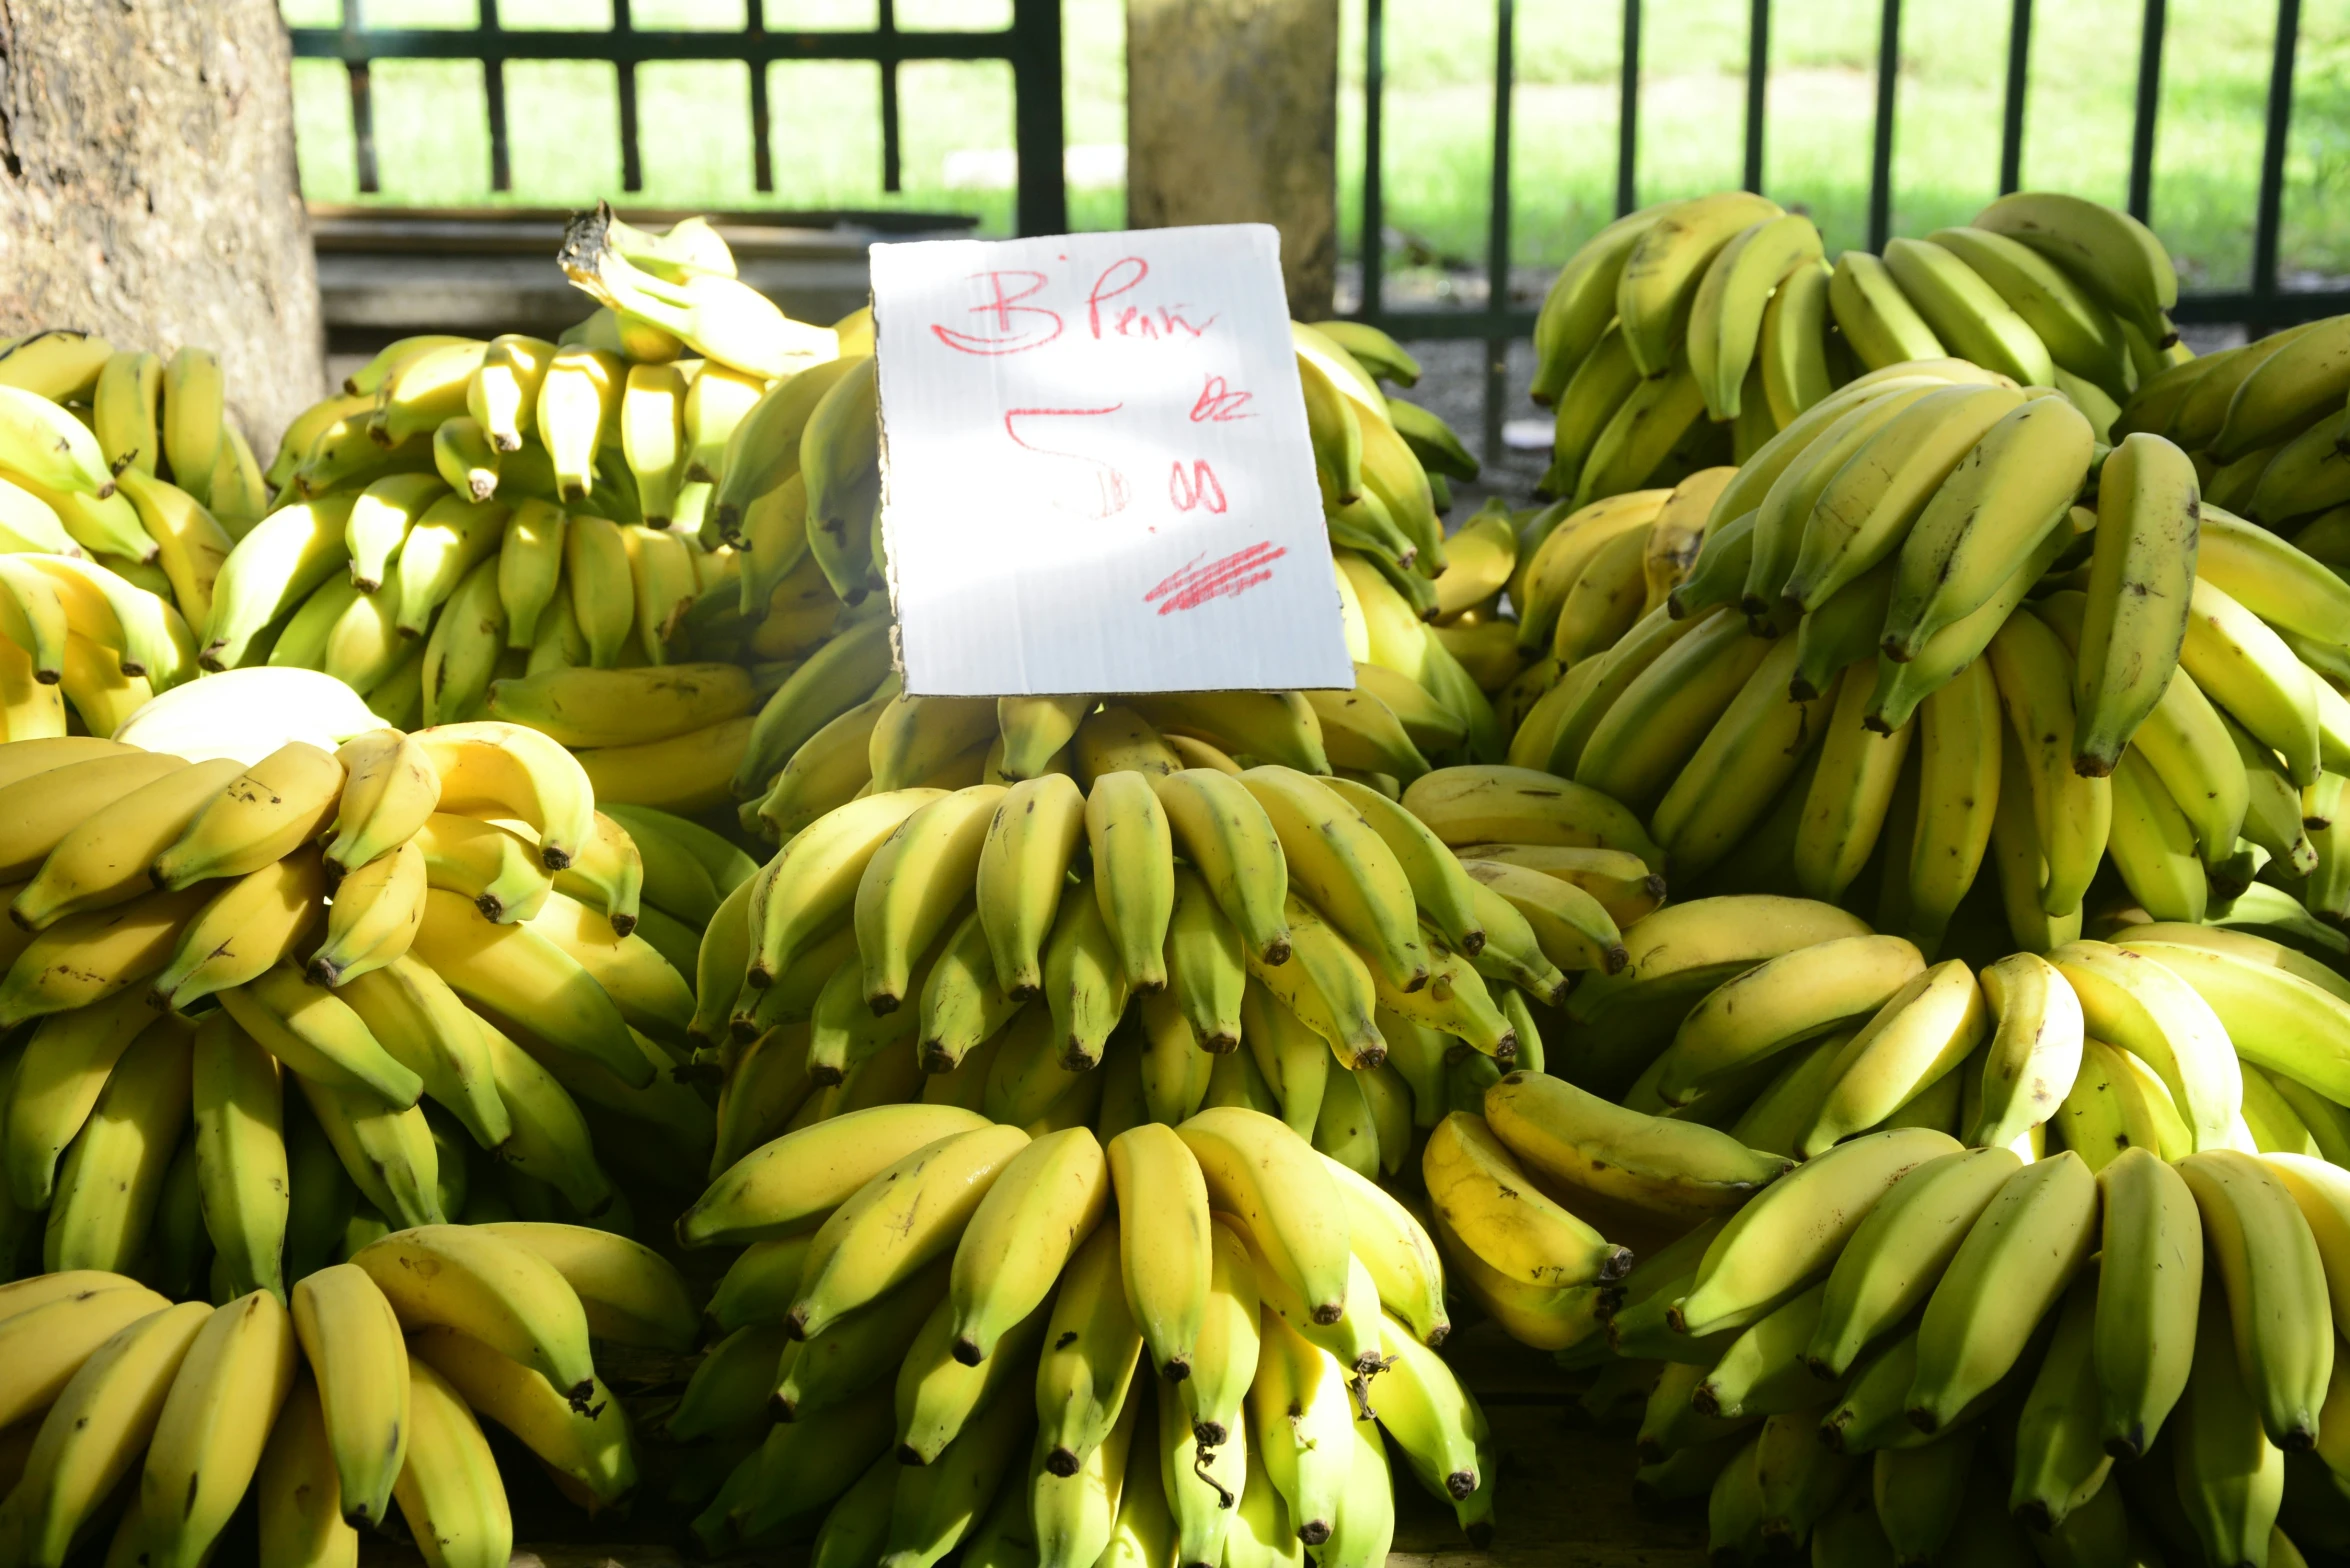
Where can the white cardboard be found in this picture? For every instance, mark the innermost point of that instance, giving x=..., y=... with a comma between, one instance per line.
x=1095, y=469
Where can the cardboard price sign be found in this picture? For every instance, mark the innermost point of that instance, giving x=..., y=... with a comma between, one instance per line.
x=1095, y=469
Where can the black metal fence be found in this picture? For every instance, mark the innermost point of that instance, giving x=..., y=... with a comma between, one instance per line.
x=1501, y=321
x=1031, y=46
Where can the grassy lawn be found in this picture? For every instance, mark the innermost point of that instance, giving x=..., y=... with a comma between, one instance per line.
x=432, y=146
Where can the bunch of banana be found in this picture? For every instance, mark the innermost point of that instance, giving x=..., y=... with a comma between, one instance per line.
x=1929, y=626
x=1913, y=1351
x=1694, y=332
x=1169, y=938
x=470, y=974
x=945, y=1331
x=370, y=1390
x=2261, y=422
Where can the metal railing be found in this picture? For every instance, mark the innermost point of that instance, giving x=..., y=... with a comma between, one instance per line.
x=1031, y=46
x=2263, y=303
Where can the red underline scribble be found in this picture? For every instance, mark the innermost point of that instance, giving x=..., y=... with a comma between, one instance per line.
x=1192, y=585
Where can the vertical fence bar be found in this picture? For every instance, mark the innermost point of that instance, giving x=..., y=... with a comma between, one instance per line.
x=892, y=179
x=1035, y=48
x=1374, y=159
x=493, y=93
x=362, y=103
x=1758, y=76
x=1497, y=232
x=2019, y=82
x=1881, y=150
x=2149, y=101
x=2270, y=215
x=762, y=149
x=1628, y=115
x=632, y=163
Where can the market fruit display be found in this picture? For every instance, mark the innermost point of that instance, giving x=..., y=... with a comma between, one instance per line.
x=797, y=1115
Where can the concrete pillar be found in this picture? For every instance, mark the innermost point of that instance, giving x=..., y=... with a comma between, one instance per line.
x=1232, y=117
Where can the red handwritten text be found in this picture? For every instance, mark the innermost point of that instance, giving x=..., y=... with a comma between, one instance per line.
x=1199, y=488
x=1109, y=492
x=1193, y=585
x=1014, y=337
x=1219, y=403
x=1119, y=277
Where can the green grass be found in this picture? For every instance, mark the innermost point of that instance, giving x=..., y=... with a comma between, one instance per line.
x=432, y=145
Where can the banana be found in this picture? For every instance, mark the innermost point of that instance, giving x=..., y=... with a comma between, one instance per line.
x=277, y=565
x=1043, y=1204
x=65, y=1066
x=1760, y=740
x=1966, y=312
x=599, y=585
x=240, y=1154
x=1333, y=991
x=1781, y=1002
x=1166, y=1252
x=1300, y=1419
x=1281, y=1192
x=191, y=545
x=142, y=628
x=2142, y=1003
x=2141, y=579
x=1778, y=1243
x=1483, y=1196
x=301, y=1518
x=763, y=449
x=812, y=885
x=88, y=957
x=1581, y=304
x=256, y=819
x=50, y=447
x=2073, y=812
x=58, y=363
x=914, y=1212
x=831, y=683
x=233, y=1379
x=1085, y=989
x=1132, y=850
x=1792, y=344
x=2229, y=1477
x=1665, y=267
x=2080, y=335
x=2273, y=1280
x=390, y=1155
x=251, y=924
x=456, y=1277
x=127, y=810
x=2016, y=1262
x=586, y=1450
x=1670, y=1169
x=450, y=1492
x=1880, y=325
x=1638, y=749
x=1726, y=316
x=493, y=867
x=352, y=1340
x=1898, y=1255
x=104, y=1416
x=1206, y=967
x=822, y=1374
x=113, y=1174
x=1223, y=828
x=1294, y=1061
x=1924, y=1032
x=1866, y=507
x=1985, y=519
x=1085, y=1375
x=1851, y=793
x=915, y=884
x=465, y=459
x=2113, y=256
x=1784, y=512
x=1275, y=728
x=576, y=412
x=2034, y=1051
x=1652, y=423
x=2148, y=1285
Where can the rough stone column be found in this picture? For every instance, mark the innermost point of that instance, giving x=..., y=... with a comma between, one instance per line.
x=148, y=190
x=1232, y=117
